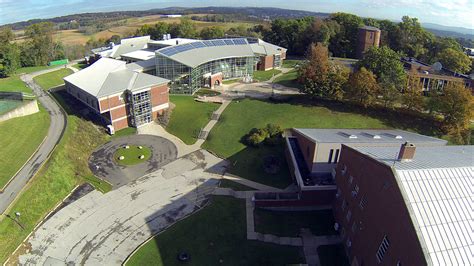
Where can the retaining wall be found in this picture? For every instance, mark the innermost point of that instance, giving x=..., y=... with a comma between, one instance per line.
x=27, y=108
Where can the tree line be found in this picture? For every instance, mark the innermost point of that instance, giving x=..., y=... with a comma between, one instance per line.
x=379, y=80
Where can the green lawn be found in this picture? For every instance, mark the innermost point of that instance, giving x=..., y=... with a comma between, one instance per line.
x=66, y=168
x=225, y=183
x=80, y=66
x=240, y=117
x=132, y=155
x=289, y=223
x=52, y=79
x=288, y=63
x=332, y=255
x=288, y=79
x=265, y=75
x=189, y=117
x=125, y=132
x=218, y=232
x=28, y=70
x=13, y=83
x=230, y=81
x=20, y=137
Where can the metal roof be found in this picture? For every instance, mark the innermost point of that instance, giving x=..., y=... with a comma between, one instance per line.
x=380, y=136
x=142, y=54
x=199, y=52
x=141, y=66
x=437, y=189
x=109, y=76
x=264, y=48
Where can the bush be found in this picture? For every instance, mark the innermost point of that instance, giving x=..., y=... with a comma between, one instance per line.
x=270, y=135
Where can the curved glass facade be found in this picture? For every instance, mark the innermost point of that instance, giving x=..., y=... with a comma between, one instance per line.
x=187, y=80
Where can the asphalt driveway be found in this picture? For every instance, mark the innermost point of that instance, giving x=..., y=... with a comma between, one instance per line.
x=103, y=165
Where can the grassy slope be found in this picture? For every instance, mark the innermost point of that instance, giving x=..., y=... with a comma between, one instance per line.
x=214, y=233
x=20, y=137
x=332, y=255
x=288, y=79
x=66, y=169
x=240, y=117
x=189, y=117
x=52, y=79
x=265, y=75
x=282, y=223
x=225, y=183
x=13, y=83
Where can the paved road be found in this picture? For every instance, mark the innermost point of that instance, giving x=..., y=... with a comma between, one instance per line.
x=102, y=161
x=55, y=132
x=103, y=229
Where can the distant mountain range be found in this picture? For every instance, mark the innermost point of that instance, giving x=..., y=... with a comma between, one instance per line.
x=254, y=12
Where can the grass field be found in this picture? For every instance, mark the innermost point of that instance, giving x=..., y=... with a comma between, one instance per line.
x=13, y=83
x=288, y=63
x=66, y=168
x=80, y=66
x=125, y=132
x=283, y=223
x=226, y=183
x=265, y=75
x=132, y=155
x=52, y=79
x=215, y=235
x=20, y=137
x=188, y=117
x=332, y=255
x=240, y=117
x=288, y=79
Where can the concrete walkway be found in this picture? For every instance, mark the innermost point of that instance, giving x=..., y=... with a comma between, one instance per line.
x=250, y=183
x=103, y=229
x=212, y=123
x=54, y=135
x=312, y=242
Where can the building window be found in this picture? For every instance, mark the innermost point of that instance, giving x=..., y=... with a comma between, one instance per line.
x=343, y=204
x=344, y=169
x=355, y=191
x=337, y=155
x=330, y=155
x=354, y=227
x=351, y=178
x=382, y=249
x=348, y=215
x=362, y=202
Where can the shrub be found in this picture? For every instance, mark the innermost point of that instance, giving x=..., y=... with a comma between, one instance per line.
x=256, y=137
x=270, y=135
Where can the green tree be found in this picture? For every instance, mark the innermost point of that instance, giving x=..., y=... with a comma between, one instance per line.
x=156, y=31
x=344, y=42
x=212, y=32
x=455, y=60
x=456, y=105
x=413, y=93
x=289, y=33
x=320, y=31
x=362, y=87
x=9, y=53
x=413, y=39
x=185, y=29
x=313, y=73
x=40, y=48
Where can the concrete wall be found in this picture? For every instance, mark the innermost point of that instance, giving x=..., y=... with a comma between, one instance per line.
x=383, y=213
x=27, y=108
x=82, y=96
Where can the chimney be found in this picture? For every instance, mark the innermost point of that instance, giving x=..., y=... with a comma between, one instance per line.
x=407, y=152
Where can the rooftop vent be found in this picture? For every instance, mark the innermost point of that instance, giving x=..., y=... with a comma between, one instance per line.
x=407, y=152
x=347, y=135
x=372, y=136
x=390, y=135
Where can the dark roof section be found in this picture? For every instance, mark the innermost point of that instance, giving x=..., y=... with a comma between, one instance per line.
x=369, y=28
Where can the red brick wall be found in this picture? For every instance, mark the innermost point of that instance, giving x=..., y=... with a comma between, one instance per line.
x=214, y=78
x=121, y=124
x=308, y=148
x=118, y=113
x=110, y=102
x=266, y=62
x=365, y=41
x=384, y=212
x=159, y=95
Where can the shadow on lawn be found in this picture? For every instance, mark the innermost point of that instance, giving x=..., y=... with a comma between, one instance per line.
x=397, y=118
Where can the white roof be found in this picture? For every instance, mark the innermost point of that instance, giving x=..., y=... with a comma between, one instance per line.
x=174, y=41
x=126, y=46
x=141, y=66
x=109, y=76
x=140, y=54
x=437, y=189
x=381, y=136
x=264, y=48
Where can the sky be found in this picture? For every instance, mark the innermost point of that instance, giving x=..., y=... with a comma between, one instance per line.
x=444, y=12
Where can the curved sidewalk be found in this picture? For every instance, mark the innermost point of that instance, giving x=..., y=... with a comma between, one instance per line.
x=55, y=132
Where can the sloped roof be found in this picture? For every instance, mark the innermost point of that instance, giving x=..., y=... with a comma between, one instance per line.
x=264, y=48
x=437, y=189
x=109, y=76
x=129, y=45
x=199, y=52
x=348, y=136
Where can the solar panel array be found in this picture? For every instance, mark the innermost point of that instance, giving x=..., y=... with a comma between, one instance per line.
x=170, y=51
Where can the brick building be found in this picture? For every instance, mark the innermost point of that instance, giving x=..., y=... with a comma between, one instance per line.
x=405, y=205
x=367, y=37
x=121, y=97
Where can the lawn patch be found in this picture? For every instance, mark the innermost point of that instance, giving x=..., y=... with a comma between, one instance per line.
x=218, y=232
x=20, y=137
x=226, y=183
x=52, y=79
x=132, y=155
x=289, y=223
x=13, y=83
x=289, y=79
x=265, y=75
x=128, y=131
x=288, y=63
x=207, y=92
x=80, y=66
x=241, y=116
x=189, y=117
x=230, y=81
x=332, y=255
